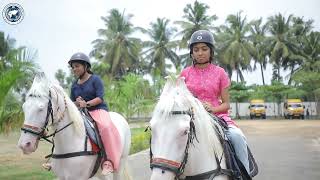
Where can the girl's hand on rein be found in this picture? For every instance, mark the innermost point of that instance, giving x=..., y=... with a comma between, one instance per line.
x=82, y=103
x=207, y=106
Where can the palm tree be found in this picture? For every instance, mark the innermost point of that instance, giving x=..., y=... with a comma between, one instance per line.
x=258, y=36
x=196, y=18
x=311, y=51
x=15, y=72
x=16, y=67
x=295, y=60
x=300, y=29
x=116, y=47
x=234, y=46
x=160, y=47
x=281, y=43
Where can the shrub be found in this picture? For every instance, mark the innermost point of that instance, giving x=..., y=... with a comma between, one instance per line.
x=139, y=140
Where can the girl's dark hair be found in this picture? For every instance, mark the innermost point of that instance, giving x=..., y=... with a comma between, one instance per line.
x=89, y=71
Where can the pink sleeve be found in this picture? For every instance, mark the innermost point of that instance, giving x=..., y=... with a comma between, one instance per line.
x=224, y=80
x=184, y=73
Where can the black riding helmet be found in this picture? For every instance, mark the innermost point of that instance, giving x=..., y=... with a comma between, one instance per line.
x=202, y=36
x=81, y=58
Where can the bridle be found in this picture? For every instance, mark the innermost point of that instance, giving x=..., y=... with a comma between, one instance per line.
x=176, y=167
x=40, y=132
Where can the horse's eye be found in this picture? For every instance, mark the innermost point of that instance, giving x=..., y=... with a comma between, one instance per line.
x=186, y=132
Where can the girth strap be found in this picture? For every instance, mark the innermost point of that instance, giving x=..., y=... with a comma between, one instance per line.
x=210, y=174
x=73, y=154
x=214, y=173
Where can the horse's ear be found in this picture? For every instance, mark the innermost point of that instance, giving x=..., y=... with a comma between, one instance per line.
x=169, y=84
x=181, y=82
x=41, y=78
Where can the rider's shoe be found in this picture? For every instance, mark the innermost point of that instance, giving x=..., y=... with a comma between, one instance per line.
x=107, y=168
x=47, y=166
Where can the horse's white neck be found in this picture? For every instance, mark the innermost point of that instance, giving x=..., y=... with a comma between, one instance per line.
x=68, y=140
x=202, y=153
x=200, y=159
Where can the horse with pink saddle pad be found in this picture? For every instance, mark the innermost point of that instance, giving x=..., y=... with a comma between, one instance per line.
x=48, y=107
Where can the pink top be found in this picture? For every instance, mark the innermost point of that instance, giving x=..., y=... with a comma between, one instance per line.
x=206, y=84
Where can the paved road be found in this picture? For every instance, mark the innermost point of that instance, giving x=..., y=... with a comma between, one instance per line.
x=284, y=150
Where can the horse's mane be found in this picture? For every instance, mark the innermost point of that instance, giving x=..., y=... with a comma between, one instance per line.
x=73, y=111
x=175, y=94
x=40, y=88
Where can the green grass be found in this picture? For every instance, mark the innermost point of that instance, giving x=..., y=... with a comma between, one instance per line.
x=139, y=140
x=14, y=172
x=15, y=166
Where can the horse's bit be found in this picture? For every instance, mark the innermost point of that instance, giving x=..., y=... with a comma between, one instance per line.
x=41, y=132
x=176, y=167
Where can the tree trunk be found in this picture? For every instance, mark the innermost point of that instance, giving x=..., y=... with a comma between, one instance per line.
x=317, y=106
x=279, y=103
x=262, y=75
x=290, y=78
x=274, y=110
x=279, y=73
x=237, y=111
x=237, y=77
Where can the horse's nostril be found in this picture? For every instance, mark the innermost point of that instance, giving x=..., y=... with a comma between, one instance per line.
x=28, y=144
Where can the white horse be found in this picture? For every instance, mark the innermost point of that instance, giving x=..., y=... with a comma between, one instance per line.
x=184, y=142
x=47, y=105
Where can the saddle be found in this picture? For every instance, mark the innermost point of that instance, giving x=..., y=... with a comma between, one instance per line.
x=233, y=163
x=92, y=130
x=93, y=135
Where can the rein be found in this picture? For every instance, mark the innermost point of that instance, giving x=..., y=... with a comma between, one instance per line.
x=178, y=168
x=41, y=132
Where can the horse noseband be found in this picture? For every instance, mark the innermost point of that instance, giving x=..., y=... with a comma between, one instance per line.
x=176, y=167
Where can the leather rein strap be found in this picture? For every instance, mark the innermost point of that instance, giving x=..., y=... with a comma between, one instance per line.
x=173, y=166
x=178, y=168
x=40, y=133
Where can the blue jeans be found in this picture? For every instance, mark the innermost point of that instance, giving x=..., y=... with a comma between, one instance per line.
x=239, y=143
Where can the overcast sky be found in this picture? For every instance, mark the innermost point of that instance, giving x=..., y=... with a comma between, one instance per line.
x=59, y=28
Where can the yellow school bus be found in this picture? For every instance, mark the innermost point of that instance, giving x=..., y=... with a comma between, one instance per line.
x=293, y=108
x=257, y=109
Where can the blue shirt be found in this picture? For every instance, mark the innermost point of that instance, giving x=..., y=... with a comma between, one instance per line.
x=89, y=90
